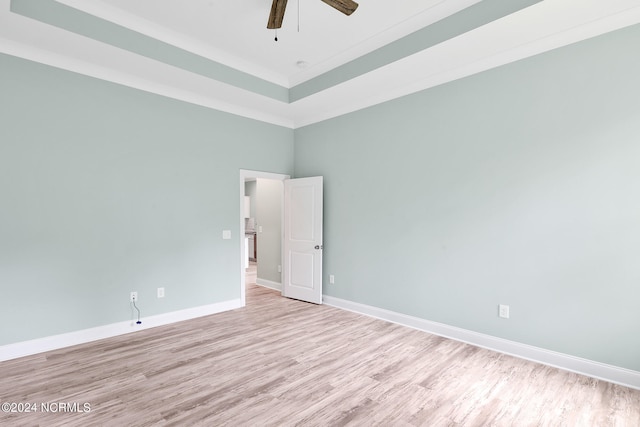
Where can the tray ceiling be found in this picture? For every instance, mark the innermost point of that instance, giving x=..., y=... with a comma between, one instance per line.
x=219, y=54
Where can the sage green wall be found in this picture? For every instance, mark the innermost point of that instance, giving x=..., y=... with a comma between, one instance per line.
x=518, y=186
x=105, y=189
x=269, y=217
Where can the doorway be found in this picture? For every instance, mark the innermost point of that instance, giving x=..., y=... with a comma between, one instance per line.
x=268, y=227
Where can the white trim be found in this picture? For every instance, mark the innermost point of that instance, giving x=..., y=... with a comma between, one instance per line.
x=269, y=284
x=432, y=14
x=480, y=49
x=165, y=81
x=165, y=34
x=55, y=342
x=462, y=56
x=613, y=374
x=440, y=10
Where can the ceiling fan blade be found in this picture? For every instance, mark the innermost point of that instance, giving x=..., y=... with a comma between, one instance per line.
x=345, y=6
x=277, y=14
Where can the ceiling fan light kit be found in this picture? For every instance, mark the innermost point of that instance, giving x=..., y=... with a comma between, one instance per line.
x=278, y=7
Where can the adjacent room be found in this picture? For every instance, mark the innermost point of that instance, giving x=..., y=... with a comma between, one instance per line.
x=415, y=213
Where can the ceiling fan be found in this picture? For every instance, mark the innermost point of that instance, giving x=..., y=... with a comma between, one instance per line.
x=278, y=6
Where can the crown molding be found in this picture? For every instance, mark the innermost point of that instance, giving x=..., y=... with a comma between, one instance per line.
x=475, y=51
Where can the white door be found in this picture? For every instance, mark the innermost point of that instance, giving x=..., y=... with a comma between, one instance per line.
x=302, y=246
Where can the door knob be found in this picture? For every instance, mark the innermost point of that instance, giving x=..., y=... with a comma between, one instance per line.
x=318, y=247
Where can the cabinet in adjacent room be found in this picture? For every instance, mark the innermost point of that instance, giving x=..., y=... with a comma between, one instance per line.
x=253, y=246
x=247, y=206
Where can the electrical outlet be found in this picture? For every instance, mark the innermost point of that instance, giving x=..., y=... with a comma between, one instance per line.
x=503, y=311
x=279, y=269
x=332, y=279
x=133, y=297
x=160, y=292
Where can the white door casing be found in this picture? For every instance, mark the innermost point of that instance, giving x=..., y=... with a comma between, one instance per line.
x=302, y=245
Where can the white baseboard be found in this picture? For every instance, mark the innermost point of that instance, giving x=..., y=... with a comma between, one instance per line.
x=613, y=374
x=269, y=284
x=40, y=345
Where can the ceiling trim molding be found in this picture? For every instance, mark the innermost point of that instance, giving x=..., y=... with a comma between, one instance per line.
x=446, y=25
x=117, y=16
x=452, y=60
x=138, y=82
x=67, y=18
x=475, y=51
x=436, y=13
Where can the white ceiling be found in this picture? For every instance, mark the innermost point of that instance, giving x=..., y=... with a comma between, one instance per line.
x=234, y=33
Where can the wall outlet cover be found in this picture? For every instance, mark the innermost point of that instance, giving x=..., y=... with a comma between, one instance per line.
x=503, y=311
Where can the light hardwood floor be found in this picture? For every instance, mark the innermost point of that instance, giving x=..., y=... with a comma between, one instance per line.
x=280, y=362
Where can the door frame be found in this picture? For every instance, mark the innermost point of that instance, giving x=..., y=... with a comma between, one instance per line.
x=244, y=174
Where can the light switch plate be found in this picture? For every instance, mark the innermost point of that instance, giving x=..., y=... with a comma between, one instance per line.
x=503, y=311
x=226, y=234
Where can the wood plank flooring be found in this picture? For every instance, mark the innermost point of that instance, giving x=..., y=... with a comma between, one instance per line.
x=280, y=362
